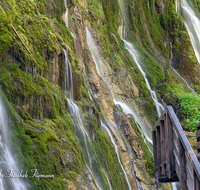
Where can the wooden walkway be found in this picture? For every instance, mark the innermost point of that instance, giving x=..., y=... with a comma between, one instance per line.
x=174, y=158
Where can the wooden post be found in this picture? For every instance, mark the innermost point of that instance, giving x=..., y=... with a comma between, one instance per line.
x=183, y=175
x=198, y=141
x=196, y=183
x=171, y=166
x=163, y=152
x=155, y=152
x=158, y=150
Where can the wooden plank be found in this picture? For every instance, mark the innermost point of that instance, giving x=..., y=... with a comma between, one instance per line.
x=183, y=176
x=171, y=165
x=189, y=185
x=198, y=135
x=196, y=183
x=177, y=168
x=163, y=152
x=192, y=142
x=166, y=146
x=177, y=160
x=158, y=150
x=176, y=148
x=195, y=151
x=189, y=170
x=154, y=150
x=183, y=138
x=198, y=145
x=175, y=135
x=189, y=134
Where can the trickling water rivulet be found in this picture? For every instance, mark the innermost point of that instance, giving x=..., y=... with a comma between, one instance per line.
x=116, y=150
x=192, y=23
x=102, y=73
x=66, y=17
x=82, y=135
x=170, y=63
x=134, y=55
x=7, y=161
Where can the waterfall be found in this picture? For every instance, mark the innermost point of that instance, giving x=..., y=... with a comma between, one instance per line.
x=68, y=81
x=174, y=187
x=116, y=150
x=127, y=110
x=192, y=23
x=97, y=59
x=66, y=14
x=7, y=161
x=82, y=135
x=66, y=17
x=115, y=38
x=134, y=54
x=175, y=71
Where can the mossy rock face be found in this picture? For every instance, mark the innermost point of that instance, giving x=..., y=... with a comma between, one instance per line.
x=184, y=59
x=77, y=86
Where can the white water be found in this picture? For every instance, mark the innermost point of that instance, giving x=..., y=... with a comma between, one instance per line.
x=115, y=38
x=116, y=150
x=108, y=180
x=97, y=59
x=7, y=161
x=67, y=17
x=82, y=135
x=192, y=23
x=174, y=187
x=170, y=63
x=95, y=54
x=127, y=110
x=68, y=81
x=135, y=57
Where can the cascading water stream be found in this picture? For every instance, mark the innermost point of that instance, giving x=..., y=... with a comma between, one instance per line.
x=192, y=23
x=7, y=162
x=102, y=73
x=97, y=60
x=116, y=150
x=66, y=15
x=127, y=110
x=133, y=53
x=82, y=136
x=170, y=63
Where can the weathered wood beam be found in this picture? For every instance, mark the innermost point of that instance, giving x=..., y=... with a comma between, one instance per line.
x=163, y=152
x=171, y=163
x=183, y=139
x=183, y=177
x=154, y=151
x=189, y=134
x=192, y=142
x=158, y=150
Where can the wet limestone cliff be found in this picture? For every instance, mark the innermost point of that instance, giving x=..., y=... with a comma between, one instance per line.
x=110, y=95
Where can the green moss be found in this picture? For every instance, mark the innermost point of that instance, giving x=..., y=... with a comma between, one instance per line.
x=5, y=33
x=148, y=158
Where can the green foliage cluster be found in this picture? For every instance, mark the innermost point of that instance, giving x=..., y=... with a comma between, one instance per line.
x=190, y=107
x=188, y=103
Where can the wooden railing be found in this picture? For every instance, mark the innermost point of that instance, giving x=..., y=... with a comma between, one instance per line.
x=174, y=158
